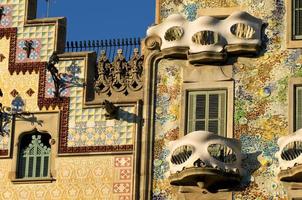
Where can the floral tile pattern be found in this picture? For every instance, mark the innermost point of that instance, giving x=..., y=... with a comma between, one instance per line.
x=6, y=19
x=94, y=177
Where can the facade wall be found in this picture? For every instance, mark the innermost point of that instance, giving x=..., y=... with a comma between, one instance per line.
x=92, y=157
x=261, y=104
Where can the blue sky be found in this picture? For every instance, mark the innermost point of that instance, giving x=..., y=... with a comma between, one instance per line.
x=102, y=19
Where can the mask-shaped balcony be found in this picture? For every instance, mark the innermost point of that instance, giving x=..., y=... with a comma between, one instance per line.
x=205, y=160
x=208, y=39
x=290, y=157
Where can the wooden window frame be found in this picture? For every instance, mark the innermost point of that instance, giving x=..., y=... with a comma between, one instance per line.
x=207, y=119
x=228, y=86
x=290, y=42
x=35, y=156
x=293, y=83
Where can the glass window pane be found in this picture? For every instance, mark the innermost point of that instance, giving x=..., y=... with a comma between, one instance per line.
x=45, y=167
x=200, y=106
x=199, y=125
x=298, y=120
x=38, y=166
x=213, y=126
x=213, y=106
x=21, y=167
x=30, y=167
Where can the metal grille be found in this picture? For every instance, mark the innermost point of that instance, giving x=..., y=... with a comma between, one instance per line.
x=109, y=46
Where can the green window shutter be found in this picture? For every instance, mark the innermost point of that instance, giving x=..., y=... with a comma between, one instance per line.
x=297, y=19
x=298, y=112
x=207, y=111
x=34, y=159
x=222, y=114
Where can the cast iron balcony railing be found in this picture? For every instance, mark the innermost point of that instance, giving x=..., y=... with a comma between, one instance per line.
x=109, y=46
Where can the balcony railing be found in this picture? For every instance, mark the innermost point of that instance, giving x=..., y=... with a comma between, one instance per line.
x=110, y=46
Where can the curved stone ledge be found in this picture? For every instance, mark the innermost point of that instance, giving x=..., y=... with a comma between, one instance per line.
x=240, y=33
x=208, y=179
x=290, y=157
x=206, y=160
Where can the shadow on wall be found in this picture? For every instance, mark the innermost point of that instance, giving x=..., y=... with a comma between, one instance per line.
x=250, y=164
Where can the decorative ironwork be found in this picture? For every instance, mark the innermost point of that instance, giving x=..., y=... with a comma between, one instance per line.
x=28, y=47
x=62, y=81
x=110, y=46
x=119, y=76
x=8, y=113
x=2, y=12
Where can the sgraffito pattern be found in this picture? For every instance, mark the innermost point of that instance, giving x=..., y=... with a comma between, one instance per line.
x=96, y=177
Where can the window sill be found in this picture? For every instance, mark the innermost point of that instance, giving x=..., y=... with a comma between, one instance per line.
x=293, y=44
x=32, y=180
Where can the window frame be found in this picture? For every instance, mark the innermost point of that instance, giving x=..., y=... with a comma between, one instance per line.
x=290, y=42
x=293, y=83
x=45, y=123
x=207, y=119
x=35, y=156
x=228, y=86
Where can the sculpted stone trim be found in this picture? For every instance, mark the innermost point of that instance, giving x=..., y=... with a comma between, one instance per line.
x=290, y=157
x=120, y=76
x=207, y=57
x=120, y=81
x=239, y=33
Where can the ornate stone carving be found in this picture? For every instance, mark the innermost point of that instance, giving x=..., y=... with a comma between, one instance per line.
x=205, y=160
x=153, y=42
x=119, y=76
x=290, y=157
x=239, y=33
x=290, y=153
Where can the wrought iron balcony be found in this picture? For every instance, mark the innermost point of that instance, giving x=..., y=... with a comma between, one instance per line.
x=109, y=46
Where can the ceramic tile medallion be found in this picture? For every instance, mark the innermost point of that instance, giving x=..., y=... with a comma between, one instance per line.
x=6, y=18
x=28, y=50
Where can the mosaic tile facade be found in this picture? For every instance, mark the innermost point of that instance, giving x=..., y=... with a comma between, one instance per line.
x=97, y=177
x=261, y=100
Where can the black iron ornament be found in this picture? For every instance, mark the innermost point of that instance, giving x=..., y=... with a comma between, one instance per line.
x=63, y=81
x=28, y=47
x=7, y=114
x=1, y=12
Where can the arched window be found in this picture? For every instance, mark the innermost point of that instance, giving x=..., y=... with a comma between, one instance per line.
x=34, y=156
